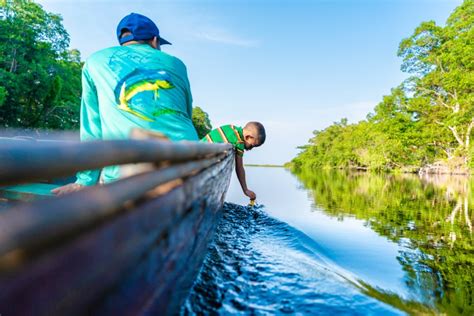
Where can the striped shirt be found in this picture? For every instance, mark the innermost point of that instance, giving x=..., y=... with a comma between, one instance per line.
x=227, y=134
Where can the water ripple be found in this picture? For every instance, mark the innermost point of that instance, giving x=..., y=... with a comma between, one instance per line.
x=260, y=266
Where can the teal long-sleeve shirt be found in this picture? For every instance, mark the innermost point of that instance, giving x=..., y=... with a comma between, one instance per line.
x=132, y=86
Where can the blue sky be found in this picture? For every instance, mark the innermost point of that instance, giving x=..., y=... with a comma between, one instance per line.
x=296, y=66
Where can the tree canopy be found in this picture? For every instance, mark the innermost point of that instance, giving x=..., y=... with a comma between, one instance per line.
x=201, y=122
x=40, y=79
x=428, y=118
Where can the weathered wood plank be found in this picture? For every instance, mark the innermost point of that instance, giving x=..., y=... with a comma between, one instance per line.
x=143, y=261
x=27, y=226
x=181, y=258
x=25, y=161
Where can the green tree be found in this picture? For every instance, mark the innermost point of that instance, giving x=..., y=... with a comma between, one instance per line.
x=40, y=77
x=441, y=60
x=3, y=95
x=201, y=122
x=427, y=118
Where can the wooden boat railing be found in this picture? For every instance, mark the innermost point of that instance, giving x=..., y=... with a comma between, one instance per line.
x=26, y=161
x=29, y=230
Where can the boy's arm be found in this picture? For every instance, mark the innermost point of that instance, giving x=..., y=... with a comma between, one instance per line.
x=239, y=169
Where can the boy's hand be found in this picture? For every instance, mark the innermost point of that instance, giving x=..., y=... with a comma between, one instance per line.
x=68, y=188
x=250, y=194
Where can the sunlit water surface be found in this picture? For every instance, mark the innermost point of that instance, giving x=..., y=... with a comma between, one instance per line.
x=340, y=243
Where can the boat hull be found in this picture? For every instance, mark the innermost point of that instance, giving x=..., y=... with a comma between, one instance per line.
x=143, y=261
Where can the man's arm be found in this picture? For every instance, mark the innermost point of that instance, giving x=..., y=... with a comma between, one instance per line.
x=91, y=129
x=239, y=169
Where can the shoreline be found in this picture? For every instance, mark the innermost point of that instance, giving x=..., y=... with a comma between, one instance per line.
x=419, y=171
x=264, y=165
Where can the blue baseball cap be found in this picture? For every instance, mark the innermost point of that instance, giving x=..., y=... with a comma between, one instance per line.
x=141, y=27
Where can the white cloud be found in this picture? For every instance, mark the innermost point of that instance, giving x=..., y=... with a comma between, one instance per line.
x=220, y=35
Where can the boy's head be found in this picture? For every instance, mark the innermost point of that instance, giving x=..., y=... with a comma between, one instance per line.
x=254, y=135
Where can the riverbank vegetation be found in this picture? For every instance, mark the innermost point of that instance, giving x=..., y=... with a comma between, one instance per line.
x=426, y=119
x=40, y=76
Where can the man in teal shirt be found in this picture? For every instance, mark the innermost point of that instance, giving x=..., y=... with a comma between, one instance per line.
x=129, y=86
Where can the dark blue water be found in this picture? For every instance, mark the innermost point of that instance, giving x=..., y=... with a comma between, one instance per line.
x=259, y=265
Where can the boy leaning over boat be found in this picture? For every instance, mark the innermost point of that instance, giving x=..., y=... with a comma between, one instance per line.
x=250, y=136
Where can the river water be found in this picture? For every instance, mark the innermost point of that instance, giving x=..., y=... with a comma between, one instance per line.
x=341, y=243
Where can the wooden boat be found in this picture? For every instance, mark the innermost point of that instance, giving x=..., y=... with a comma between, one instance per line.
x=131, y=247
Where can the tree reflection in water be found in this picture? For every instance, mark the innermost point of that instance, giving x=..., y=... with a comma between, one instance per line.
x=429, y=217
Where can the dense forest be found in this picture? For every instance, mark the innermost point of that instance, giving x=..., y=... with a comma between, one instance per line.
x=427, y=119
x=40, y=77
